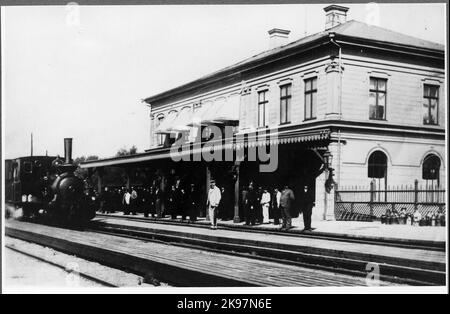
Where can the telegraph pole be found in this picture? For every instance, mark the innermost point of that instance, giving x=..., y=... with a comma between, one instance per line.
x=31, y=143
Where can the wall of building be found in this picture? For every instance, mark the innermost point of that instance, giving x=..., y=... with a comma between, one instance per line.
x=404, y=108
x=405, y=159
x=404, y=105
x=272, y=83
x=249, y=97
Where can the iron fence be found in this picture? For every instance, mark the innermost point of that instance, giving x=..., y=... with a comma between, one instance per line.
x=368, y=203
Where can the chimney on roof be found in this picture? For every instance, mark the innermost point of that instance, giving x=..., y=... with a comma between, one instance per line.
x=278, y=37
x=335, y=15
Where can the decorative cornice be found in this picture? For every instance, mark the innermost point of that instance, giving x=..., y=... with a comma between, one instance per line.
x=284, y=81
x=333, y=66
x=262, y=87
x=246, y=90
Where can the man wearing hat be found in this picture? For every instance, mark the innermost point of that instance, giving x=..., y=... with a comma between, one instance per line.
x=286, y=201
x=214, y=196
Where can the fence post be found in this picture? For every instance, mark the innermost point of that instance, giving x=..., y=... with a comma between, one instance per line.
x=371, y=198
x=416, y=193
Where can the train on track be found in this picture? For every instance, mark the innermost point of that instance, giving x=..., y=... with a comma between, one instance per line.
x=46, y=188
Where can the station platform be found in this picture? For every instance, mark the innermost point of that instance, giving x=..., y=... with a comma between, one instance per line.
x=419, y=260
x=178, y=266
x=351, y=229
x=398, y=262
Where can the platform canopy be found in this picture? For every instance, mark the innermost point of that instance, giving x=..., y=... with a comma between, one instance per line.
x=317, y=138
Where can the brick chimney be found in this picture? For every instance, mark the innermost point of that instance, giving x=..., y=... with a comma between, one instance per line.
x=278, y=37
x=335, y=15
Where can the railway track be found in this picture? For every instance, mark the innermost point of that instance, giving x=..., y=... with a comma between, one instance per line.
x=60, y=261
x=68, y=271
x=177, y=265
x=391, y=242
x=393, y=269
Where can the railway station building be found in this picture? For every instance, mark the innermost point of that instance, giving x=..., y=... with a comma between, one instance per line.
x=355, y=103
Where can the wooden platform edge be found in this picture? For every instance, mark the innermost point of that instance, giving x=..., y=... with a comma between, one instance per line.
x=177, y=276
x=291, y=232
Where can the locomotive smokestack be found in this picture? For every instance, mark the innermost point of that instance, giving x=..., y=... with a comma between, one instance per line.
x=68, y=150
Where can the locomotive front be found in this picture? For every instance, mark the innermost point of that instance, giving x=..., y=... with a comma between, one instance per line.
x=69, y=203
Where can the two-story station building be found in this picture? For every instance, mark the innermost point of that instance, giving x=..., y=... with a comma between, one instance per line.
x=372, y=98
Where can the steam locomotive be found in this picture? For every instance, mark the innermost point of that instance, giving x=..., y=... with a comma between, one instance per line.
x=46, y=188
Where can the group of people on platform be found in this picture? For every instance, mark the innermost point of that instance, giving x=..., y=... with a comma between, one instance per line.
x=258, y=204
x=177, y=201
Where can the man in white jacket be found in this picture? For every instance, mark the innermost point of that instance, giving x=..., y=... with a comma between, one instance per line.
x=265, y=203
x=214, y=197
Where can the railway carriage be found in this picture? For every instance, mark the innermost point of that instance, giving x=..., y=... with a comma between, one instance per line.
x=47, y=186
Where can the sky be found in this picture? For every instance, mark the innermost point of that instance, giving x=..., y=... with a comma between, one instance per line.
x=82, y=71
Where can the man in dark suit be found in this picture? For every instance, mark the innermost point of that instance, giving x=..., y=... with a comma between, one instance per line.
x=144, y=200
x=193, y=200
x=184, y=204
x=307, y=204
x=170, y=202
x=151, y=201
x=158, y=198
x=275, y=200
x=258, y=212
x=178, y=201
x=251, y=205
x=286, y=201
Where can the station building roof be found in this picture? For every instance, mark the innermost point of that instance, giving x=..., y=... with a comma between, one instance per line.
x=350, y=30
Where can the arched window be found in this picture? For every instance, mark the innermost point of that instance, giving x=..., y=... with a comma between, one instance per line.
x=377, y=171
x=430, y=169
x=377, y=168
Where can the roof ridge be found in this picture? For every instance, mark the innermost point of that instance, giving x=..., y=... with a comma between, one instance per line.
x=349, y=28
x=349, y=23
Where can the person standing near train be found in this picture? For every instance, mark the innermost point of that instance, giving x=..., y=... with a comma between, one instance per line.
x=193, y=197
x=214, y=197
x=134, y=201
x=184, y=207
x=276, y=198
x=158, y=197
x=259, y=212
x=126, y=202
x=307, y=204
x=171, y=210
x=251, y=205
x=265, y=203
x=107, y=198
x=151, y=201
x=145, y=201
x=286, y=201
x=178, y=200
